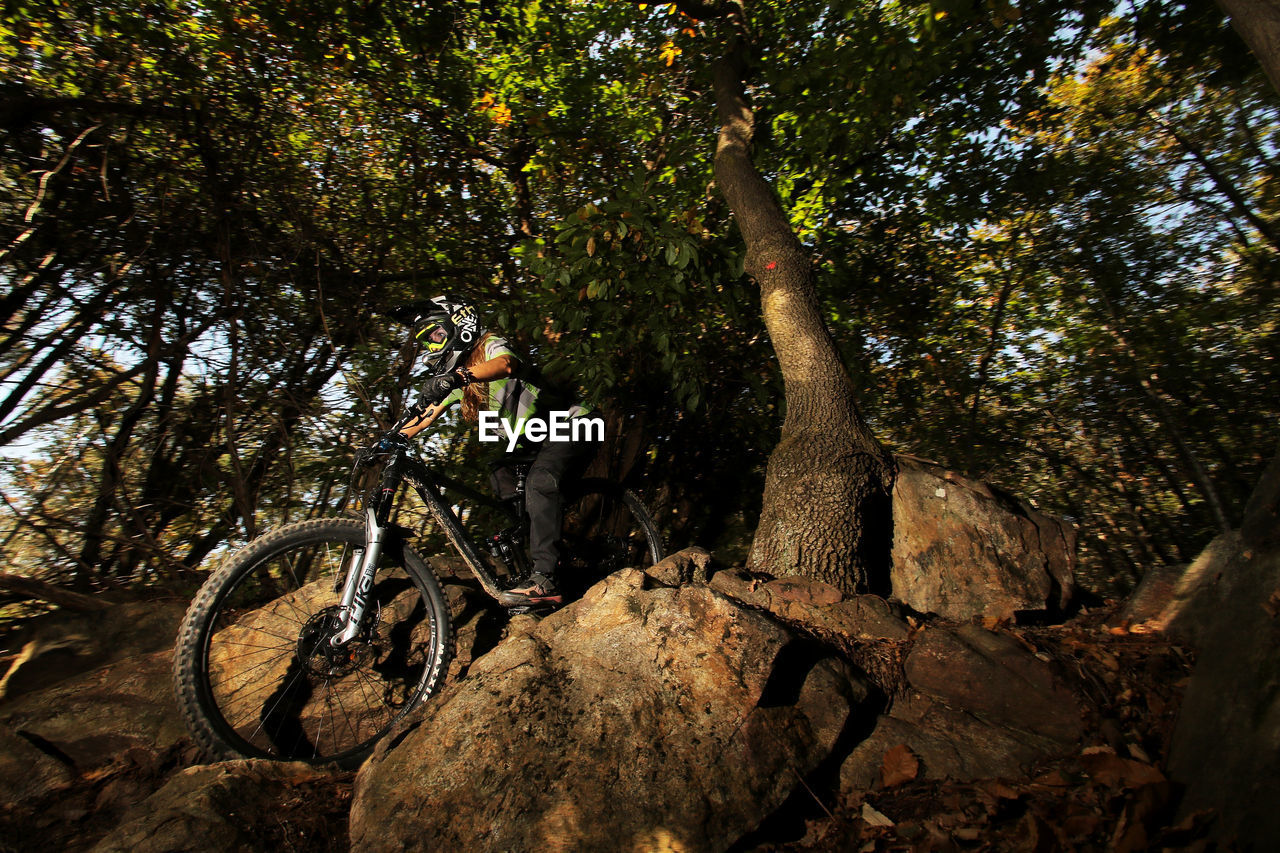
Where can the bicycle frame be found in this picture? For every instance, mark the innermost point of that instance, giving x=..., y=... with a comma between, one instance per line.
x=360, y=574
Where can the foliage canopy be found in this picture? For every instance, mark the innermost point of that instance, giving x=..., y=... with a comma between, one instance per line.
x=1043, y=233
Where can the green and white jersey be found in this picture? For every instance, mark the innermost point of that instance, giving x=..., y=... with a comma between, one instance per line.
x=519, y=397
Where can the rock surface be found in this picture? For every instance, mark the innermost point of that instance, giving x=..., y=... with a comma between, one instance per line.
x=977, y=705
x=692, y=565
x=667, y=718
x=62, y=645
x=217, y=808
x=26, y=770
x=1226, y=747
x=964, y=549
x=86, y=724
x=815, y=607
x=478, y=625
x=1181, y=600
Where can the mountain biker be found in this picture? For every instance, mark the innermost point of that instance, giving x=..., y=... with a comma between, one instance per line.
x=477, y=368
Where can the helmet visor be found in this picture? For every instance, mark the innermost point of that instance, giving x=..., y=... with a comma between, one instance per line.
x=433, y=336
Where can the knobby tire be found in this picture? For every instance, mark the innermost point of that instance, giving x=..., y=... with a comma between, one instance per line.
x=606, y=528
x=253, y=671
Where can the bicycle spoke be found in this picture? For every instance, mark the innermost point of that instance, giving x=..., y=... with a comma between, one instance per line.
x=363, y=678
x=269, y=711
x=320, y=724
x=268, y=682
x=257, y=629
x=346, y=718
x=257, y=688
x=285, y=644
x=241, y=674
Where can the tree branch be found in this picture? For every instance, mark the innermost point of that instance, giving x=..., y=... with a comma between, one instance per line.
x=32, y=589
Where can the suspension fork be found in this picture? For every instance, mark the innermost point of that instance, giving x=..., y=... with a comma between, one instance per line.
x=360, y=572
x=363, y=567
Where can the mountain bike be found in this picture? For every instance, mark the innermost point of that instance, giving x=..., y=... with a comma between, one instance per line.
x=314, y=640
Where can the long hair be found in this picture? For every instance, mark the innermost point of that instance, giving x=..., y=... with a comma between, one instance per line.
x=476, y=395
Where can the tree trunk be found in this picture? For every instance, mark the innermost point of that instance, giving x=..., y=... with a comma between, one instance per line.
x=826, y=507
x=1258, y=23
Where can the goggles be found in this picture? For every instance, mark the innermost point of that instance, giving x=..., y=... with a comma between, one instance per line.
x=433, y=337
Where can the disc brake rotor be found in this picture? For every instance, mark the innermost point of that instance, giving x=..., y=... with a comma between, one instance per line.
x=325, y=660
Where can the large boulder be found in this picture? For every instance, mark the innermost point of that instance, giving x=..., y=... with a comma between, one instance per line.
x=1226, y=744
x=84, y=725
x=977, y=705
x=963, y=548
x=635, y=718
x=967, y=703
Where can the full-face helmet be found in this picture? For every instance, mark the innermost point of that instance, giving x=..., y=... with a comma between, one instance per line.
x=446, y=330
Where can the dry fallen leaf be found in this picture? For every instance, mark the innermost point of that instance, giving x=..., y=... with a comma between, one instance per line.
x=1053, y=779
x=1034, y=835
x=900, y=765
x=1140, y=816
x=1112, y=771
x=873, y=817
x=998, y=790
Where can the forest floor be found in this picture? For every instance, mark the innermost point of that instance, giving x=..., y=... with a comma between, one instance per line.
x=1113, y=795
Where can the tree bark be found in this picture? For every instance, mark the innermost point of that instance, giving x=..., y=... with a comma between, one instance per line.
x=826, y=505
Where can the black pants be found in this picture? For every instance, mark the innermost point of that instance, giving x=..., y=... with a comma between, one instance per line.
x=557, y=464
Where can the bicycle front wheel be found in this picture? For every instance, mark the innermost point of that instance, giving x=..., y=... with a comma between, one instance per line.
x=606, y=528
x=256, y=674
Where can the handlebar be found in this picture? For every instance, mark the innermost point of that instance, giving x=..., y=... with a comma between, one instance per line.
x=414, y=412
x=365, y=456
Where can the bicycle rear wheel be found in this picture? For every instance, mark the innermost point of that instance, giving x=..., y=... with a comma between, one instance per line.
x=606, y=528
x=256, y=675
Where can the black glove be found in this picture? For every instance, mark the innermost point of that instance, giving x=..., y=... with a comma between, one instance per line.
x=441, y=385
x=390, y=441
